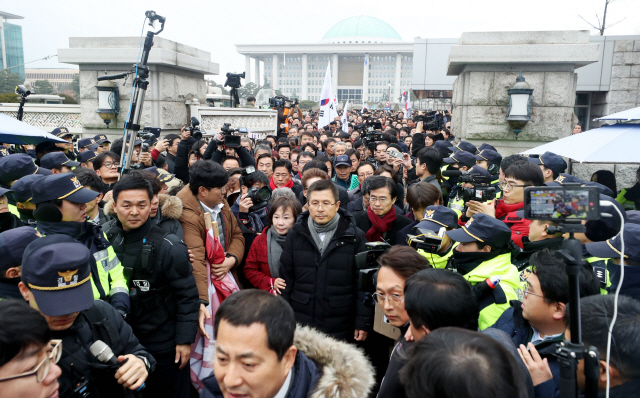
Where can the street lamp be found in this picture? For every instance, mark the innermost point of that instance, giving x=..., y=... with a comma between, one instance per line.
x=108, y=100
x=518, y=113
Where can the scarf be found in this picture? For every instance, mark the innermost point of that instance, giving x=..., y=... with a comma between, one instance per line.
x=502, y=209
x=275, y=241
x=272, y=184
x=380, y=225
x=328, y=229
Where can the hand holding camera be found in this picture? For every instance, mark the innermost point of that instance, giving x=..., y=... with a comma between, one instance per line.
x=185, y=134
x=162, y=146
x=245, y=203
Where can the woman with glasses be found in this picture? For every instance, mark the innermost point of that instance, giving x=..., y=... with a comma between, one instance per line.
x=28, y=356
x=396, y=266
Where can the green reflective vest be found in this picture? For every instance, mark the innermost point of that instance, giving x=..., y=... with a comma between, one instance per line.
x=626, y=203
x=498, y=266
x=439, y=260
x=110, y=274
x=456, y=204
x=14, y=210
x=602, y=273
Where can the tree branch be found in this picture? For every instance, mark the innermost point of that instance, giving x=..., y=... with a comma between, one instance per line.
x=590, y=24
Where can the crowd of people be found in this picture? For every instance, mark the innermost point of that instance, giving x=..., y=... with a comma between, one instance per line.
x=383, y=257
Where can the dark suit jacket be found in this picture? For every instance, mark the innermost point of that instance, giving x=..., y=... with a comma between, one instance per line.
x=363, y=222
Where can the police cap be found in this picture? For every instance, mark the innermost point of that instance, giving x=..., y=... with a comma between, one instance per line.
x=62, y=186
x=16, y=166
x=484, y=229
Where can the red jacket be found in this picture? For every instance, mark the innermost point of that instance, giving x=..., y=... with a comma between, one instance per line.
x=256, y=266
x=519, y=226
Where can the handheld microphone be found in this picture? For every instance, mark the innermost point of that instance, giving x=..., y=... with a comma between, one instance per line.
x=103, y=353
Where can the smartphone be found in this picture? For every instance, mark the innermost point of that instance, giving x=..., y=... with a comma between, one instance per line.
x=562, y=203
x=396, y=154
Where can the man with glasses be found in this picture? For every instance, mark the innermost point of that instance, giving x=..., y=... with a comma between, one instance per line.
x=29, y=356
x=56, y=281
x=106, y=167
x=518, y=176
x=318, y=266
x=536, y=323
x=303, y=159
x=380, y=220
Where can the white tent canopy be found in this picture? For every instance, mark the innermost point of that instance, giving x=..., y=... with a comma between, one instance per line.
x=13, y=131
x=619, y=143
x=629, y=114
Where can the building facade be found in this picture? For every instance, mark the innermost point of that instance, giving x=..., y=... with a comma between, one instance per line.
x=57, y=77
x=11, y=53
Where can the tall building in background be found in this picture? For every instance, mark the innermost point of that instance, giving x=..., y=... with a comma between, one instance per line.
x=11, y=56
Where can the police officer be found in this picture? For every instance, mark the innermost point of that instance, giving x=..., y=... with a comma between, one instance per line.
x=439, y=219
x=629, y=198
x=61, y=209
x=22, y=195
x=8, y=220
x=58, y=163
x=67, y=148
x=12, y=245
x=56, y=281
x=87, y=144
x=86, y=159
x=464, y=146
x=484, y=252
x=103, y=143
x=490, y=160
x=14, y=167
x=456, y=202
x=552, y=165
x=543, y=234
x=164, y=297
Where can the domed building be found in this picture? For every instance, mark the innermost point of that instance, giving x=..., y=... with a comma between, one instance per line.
x=369, y=63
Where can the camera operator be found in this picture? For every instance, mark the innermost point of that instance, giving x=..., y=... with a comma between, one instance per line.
x=518, y=176
x=480, y=179
x=484, y=251
x=490, y=160
x=536, y=323
x=164, y=303
x=56, y=281
x=170, y=145
x=428, y=162
x=459, y=161
x=435, y=219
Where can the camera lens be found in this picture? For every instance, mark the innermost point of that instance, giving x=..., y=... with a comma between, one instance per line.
x=264, y=194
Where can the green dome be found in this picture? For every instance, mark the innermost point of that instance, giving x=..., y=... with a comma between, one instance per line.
x=361, y=27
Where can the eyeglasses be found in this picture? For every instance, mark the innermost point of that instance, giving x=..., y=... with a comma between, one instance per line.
x=109, y=165
x=526, y=292
x=508, y=186
x=382, y=201
x=42, y=370
x=394, y=299
x=365, y=175
x=324, y=205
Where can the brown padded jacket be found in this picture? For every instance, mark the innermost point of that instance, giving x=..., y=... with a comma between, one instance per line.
x=192, y=220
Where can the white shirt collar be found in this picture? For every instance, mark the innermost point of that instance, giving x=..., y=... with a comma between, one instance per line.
x=214, y=211
x=285, y=387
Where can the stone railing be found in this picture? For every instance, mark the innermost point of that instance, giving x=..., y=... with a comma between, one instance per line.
x=259, y=122
x=47, y=116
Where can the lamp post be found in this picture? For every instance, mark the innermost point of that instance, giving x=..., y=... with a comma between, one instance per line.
x=519, y=110
x=108, y=101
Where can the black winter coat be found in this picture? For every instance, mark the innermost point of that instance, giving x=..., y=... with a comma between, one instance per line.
x=363, y=222
x=166, y=311
x=323, y=290
x=75, y=345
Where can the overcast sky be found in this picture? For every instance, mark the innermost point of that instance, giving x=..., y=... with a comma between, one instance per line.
x=216, y=26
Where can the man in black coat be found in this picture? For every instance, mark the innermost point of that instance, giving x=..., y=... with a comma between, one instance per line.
x=380, y=220
x=164, y=296
x=318, y=266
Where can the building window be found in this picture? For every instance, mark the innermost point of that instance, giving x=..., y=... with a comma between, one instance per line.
x=582, y=109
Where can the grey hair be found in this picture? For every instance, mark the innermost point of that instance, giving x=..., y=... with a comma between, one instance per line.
x=280, y=193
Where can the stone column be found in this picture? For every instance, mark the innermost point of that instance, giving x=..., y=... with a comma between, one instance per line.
x=247, y=68
x=305, y=78
x=365, y=79
x=397, y=90
x=487, y=64
x=334, y=75
x=256, y=79
x=275, y=71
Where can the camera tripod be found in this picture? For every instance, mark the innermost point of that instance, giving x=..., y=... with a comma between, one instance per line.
x=140, y=84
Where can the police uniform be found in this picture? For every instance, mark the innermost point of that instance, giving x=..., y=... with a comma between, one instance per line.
x=88, y=144
x=477, y=267
x=62, y=132
x=8, y=220
x=107, y=276
x=629, y=198
x=22, y=194
x=463, y=146
x=14, y=167
x=55, y=160
x=87, y=156
x=101, y=139
x=435, y=219
x=12, y=245
x=56, y=270
x=550, y=161
x=495, y=159
x=462, y=158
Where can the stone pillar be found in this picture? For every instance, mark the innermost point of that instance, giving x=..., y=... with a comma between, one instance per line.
x=487, y=65
x=334, y=75
x=275, y=71
x=305, y=78
x=176, y=80
x=256, y=79
x=247, y=68
x=397, y=90
x=365, y=79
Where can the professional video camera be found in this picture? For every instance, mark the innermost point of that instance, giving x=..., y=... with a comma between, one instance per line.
x=194, y=128
x=259, y=196
x=426, y=239
x=280, y=102
x=230, y=140
x=430, y=121
x=367, y=263
x=233, y=81
x=23, y=92
x=482, y=191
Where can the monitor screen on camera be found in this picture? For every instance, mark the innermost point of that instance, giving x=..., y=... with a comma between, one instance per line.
x=562, y=203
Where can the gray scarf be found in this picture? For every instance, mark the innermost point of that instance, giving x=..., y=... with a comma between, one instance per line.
x=328, y=228
x=275, y=241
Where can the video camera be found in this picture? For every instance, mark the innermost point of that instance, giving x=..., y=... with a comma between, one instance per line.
x=367, y=263
x=259, y=196
x=233, y=80
x=426, y=239
x=482, y=191
x=280, y=102
x=194, y=128
x=23, y=91
x=430, y=121
x=230, y=140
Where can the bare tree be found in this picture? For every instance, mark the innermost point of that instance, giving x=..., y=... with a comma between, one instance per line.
x=602, y=25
